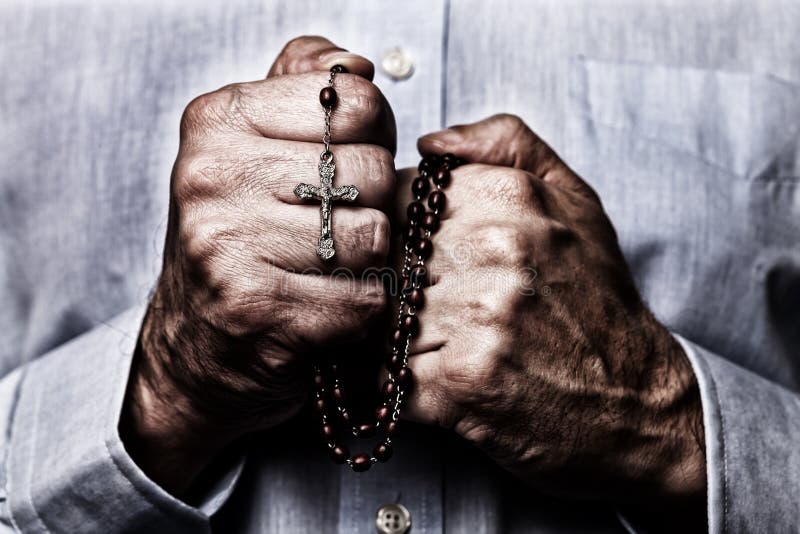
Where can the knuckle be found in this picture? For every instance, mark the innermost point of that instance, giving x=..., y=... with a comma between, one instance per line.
x=366, y=305
x=199, y=241
x=491, y=307
x=296, y=56
x=501, y=244
x=512, y=189
x=514, y=184
x=296, y=45
x=241, y=310
x=246, y=298
x=230, y=101
x=210, y=109
x=367, y=100
x=290, y=50
x=510, y=123
x=383, y=178
x=361, y=302
x=194, y=176
x=195, y=118
x=371, y=233
x=381, y=240
x=234, y=295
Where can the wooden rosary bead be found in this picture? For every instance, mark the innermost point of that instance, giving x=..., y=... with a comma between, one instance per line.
x=430, y=222
x=421, y=223
x=437, y=201
x=410, y=324
x=366, y=430
x=424, y=248
x=442, y=177
x=361, y=462
x=382, y=452
x=394, y=362
x=383, y=413
x=327, y=432
x=427, y=165
x=415, y=211
x=412, y=233
x=411, y=298
x=416, y=298
x=328, y=97
x=339, y=453
x=338, y=69
x=419, y=276
x=403, y=376
x=388, y=389
x=420, y=187
x=398, y=338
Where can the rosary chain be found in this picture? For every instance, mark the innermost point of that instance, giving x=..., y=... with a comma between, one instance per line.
x=410, y=300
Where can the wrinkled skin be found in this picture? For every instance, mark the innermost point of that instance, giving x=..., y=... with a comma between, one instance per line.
x=536, y=346
x=241, y=302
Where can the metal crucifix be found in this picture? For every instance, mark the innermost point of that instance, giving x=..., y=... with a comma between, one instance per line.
x=326, y=193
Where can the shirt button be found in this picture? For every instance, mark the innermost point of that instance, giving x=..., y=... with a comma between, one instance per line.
x=397, y=64
x=393, y=519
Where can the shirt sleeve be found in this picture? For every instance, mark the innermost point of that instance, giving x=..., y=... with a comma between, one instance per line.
x=752, y=429
x=64, y=467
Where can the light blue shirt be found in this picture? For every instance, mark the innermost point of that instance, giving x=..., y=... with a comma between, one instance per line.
x=684, y=116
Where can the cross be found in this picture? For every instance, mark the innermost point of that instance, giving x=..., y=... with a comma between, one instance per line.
x=326, y=193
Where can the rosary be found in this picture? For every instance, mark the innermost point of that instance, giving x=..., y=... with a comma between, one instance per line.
x=417, y=247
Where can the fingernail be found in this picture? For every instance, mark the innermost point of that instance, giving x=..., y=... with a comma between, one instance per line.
x=336, y=57
x=442, y=137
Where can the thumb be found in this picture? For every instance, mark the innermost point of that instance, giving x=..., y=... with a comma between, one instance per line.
x=503, y=140
x=311, y=53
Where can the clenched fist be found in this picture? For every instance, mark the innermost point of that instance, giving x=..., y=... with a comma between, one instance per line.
x=536, y=345
x=241, y=299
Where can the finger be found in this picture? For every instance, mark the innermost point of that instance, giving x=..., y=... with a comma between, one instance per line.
x=504, y=140
x=287, y=107
x=338, y=308
x=453, y=375
x=464, y=298
x=311, y=53
x=476, y=191
x=275, y=167
x=429, y=402
x=361, y=239
x=370, y=168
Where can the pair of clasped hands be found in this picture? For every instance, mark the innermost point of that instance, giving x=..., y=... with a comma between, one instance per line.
x=579, y=392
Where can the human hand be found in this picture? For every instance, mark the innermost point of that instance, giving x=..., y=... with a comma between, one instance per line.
x=234, y=313
x=535, y=344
